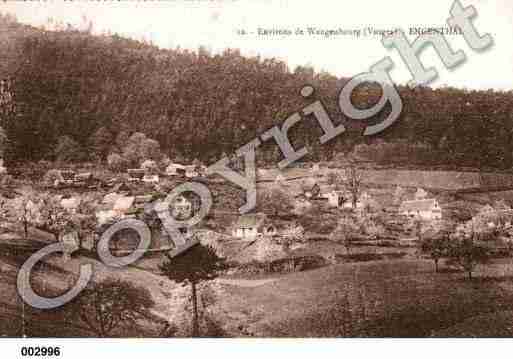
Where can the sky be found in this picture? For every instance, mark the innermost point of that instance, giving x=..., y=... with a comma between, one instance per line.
x=216, y=24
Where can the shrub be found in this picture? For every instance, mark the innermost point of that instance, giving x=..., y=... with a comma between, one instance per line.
x=116, y=163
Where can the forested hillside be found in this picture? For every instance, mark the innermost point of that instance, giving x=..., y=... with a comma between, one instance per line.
x=97, y=90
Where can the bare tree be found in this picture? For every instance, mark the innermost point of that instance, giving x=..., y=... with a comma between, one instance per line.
x=111, y=304
x=353, y=183
x=344, y=232
x=467, y=254
x=275, y=202
x=436, y=247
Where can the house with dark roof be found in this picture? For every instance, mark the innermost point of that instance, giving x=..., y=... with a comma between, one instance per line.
x=425, y=209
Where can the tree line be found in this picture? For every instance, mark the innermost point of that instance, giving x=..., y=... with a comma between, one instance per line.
x=72, y=89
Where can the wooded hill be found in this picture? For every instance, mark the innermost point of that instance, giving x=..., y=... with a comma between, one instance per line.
x=96, y=89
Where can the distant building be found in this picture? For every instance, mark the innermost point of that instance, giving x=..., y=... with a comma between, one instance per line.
x=175, y=169
x=191, y=171
x=249, y=226
x=425, y=209
x=71, y=204
x=147, y=178
x=135, y=174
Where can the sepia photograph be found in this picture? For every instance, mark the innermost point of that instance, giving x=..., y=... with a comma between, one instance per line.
x=255, y=169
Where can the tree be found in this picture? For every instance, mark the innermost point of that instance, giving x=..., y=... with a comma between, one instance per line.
x=3, y=142
x=4, y=209
x=399, y=195
x=108, y=305
x=467, y=254
x=53, y=217
x=140, y=148
x=116, y=163
x=353, y=183
x=274, y=202
x=101, y=142
x=84, y=219
x=27, y=210
x=192, y=267
x=344, y=231
x=436, y=247
x=68, y=150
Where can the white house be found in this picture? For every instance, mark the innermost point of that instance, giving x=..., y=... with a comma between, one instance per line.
x=175, y=169
x=150, y=178
x=335, y=198
x=70, y=204
x=425, y=209
x=249, y=226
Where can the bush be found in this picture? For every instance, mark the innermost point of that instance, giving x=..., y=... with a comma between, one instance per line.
x=68, y=150
x=116, y=163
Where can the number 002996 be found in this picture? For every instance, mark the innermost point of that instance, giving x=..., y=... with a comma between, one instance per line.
x=40, y=351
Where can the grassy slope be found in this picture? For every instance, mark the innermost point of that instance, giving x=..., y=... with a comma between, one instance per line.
x=392, y=298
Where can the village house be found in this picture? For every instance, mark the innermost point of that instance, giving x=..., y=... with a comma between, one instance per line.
x=335, y=198
x=175, y=169
x=425, y=209
x=135, y=174
x=64, y=177
x=250, y=226
x=71, y=204
x=150, y=178
x=84, y=178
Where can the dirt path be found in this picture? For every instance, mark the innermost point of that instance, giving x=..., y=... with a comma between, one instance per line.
x=246, y=283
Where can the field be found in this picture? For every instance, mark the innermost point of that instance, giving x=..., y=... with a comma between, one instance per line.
x=394, y=298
